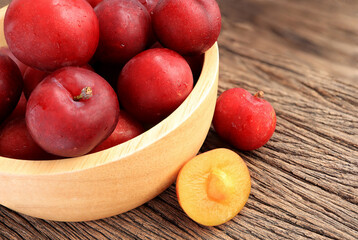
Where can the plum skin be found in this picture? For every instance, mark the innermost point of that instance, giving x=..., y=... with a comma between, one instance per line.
x=126, y=129
x=149, y=4
x=125, y=28
x=94, y=3
x=32, y=77
x=186, y=26
x=6, y=51
x=49, y=34
x=153, y=84
x=247, y=122
x=16, y=142
x=19, y=110
x=69, y=128
x=10, y=86
x=195, y=61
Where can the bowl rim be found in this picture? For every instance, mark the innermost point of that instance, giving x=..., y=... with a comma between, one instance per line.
x=202, y=88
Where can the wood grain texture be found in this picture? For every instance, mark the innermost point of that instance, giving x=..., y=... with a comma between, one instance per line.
x=303, y=55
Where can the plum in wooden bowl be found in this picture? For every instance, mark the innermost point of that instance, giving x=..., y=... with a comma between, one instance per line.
x=120, y=178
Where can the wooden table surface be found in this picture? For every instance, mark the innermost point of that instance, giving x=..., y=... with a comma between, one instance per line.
x=304, y=55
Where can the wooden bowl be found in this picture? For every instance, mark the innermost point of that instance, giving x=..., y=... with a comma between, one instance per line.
x=118, y=179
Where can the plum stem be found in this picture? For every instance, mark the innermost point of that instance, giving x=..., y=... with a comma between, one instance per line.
x=86, y=93
x=259, y=94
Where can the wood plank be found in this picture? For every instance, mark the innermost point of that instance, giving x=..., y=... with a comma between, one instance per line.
x=323, y=34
